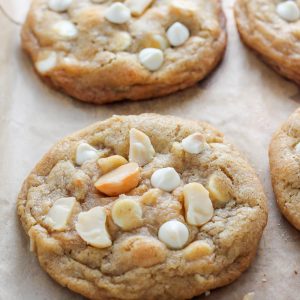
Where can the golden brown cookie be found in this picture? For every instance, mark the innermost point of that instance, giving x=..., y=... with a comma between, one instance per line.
x=143, y=207
x=105, y=51
x=272, y=29
x=284, y=154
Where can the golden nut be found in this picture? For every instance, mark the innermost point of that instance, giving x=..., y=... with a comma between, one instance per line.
x=137, y=7
x=198, y=206
x=108, y=164
x=119, y=181
x=127, y=214
x=197, y=250
x=151, y=196
x=91, y=226
x=141, y=150
x=219, y=189
x=154, y=41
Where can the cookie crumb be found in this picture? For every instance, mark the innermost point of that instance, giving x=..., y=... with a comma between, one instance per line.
x=207, y=293
x=249, y=296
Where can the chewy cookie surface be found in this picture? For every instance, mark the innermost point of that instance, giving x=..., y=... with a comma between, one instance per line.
x=284, y=154
x=105, y=51
x=272, y=29
x=143, y=207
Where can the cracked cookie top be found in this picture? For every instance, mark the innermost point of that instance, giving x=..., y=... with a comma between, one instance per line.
x=135, y=207
x=284, y=154
x=103, y=51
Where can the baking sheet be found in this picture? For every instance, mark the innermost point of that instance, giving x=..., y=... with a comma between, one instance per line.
x=243, y=98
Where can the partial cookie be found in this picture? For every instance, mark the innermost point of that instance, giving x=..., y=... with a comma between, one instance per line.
x=271, y=28
x=136, y=207
x=105, y=51
x=284, y=154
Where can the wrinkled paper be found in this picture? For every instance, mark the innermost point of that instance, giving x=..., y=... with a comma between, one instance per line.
x=243, y=98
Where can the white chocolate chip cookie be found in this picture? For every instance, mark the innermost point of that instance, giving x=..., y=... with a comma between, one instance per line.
x=271, y=29
x=104, y=51
x=110, y=220
x=284, y=158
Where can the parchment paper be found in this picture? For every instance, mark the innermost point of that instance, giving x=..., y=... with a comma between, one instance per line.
x=243, y=98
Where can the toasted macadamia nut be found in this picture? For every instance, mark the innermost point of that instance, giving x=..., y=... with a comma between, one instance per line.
x=198, y=206
x=166, y=179
x=91, y=226
x=141, y=150
x=174, y=234
x=59, y=214
x=84, y=153
x=194, y=143
x=119, y=181
x=127, y=214
x=110, y=163
x=151, y=196
x=117, y=13
x=219, y=189
x=137, y=7
x=196, y=250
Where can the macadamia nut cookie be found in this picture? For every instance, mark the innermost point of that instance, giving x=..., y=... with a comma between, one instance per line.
x=105, y=51
x=284, y=154
x=272, y=29
x=143, y=207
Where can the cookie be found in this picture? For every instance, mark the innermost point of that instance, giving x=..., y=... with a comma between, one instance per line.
x=143, y=207
x=271, y=29
x=284, y=154
x=105, y=51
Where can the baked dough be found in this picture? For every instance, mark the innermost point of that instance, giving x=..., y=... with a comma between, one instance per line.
x=284, y=156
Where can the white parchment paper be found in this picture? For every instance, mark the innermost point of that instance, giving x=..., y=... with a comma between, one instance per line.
x=243, y=98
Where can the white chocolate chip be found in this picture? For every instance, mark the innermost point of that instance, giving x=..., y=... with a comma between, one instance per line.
x=219, y=190
x=127, y=214
x=174, y=234
x=178, y=34
x=120, y=41
x=198, y=206
x=65, y=29
x=137, y=7
x=141, y=150
x=59, y=214
x=117, y=13
x=297, y=148
x=249, y=296
x=84, y=153
x=151, y=58
x=166, y=179
x=45, y=65
x=91, y=226
x=59, y=5
x=288, y=11
x=194, y=143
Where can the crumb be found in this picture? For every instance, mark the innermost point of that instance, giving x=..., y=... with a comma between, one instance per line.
x=296, y=272
x=207, y=293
